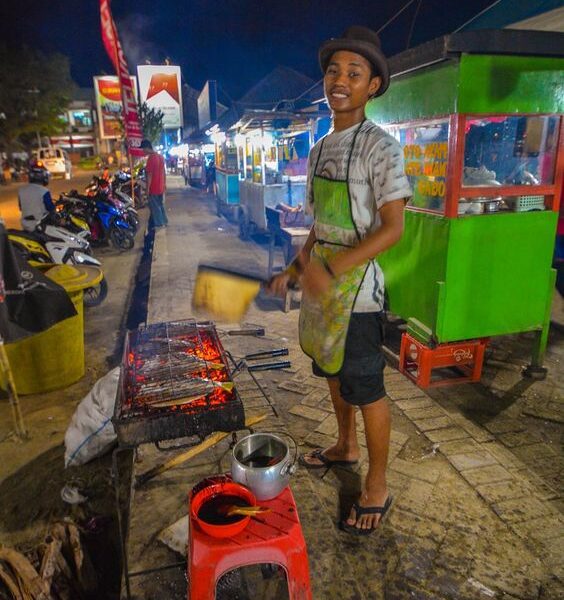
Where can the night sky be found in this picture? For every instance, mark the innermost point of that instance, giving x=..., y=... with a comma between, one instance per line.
x=234, y=41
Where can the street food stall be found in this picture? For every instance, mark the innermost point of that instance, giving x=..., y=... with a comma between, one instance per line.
x=226, y=173
x=479, y=117
x=272, y=149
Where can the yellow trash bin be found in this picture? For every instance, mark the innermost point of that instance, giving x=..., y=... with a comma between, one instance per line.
x=54, y=358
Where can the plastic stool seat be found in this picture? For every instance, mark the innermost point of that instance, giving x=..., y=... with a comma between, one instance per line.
x=417, y=360
x=274, y=537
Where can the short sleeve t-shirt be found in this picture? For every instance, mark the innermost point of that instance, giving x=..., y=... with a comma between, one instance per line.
x=155, y=166
x=376, y=176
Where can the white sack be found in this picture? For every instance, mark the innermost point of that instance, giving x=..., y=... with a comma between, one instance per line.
x=91, y=432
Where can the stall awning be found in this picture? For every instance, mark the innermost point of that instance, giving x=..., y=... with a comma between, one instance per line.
x=494, y=41
x=282, y=121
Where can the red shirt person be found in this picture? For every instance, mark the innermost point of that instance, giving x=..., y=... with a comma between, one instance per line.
x=156, y=184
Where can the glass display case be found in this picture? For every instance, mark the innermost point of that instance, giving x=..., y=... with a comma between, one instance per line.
x=509, y=163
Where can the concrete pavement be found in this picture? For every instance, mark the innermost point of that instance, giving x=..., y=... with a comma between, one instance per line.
x=475, y=470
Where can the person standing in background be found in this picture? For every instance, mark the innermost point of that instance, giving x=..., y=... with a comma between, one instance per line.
x=156, y=184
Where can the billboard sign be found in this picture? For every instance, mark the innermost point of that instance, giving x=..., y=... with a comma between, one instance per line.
x=160, y=88
x=109, y=106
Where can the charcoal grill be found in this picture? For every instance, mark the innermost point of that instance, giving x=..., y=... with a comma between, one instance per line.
x=175, y=382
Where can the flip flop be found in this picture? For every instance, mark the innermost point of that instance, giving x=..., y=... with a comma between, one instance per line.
x=366, y=510
x=326, y=463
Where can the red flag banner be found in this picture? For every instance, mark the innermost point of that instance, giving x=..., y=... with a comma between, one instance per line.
x=133, y=134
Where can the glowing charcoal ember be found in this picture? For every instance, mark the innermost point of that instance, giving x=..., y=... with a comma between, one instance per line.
x=175, y=382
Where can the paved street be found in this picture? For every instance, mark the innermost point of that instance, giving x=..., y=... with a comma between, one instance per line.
x=475, y=470
x=9, y=210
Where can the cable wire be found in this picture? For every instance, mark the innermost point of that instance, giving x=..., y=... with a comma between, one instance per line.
x=412, y=27
x=394, y=17
x=477, y=15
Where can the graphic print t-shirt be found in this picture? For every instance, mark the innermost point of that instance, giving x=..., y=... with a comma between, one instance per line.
x=376, y=176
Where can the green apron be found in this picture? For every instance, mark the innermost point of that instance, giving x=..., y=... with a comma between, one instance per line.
x=324, y=321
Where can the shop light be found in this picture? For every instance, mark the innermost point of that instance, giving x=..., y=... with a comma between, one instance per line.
x=240, y=140
x=180, y=150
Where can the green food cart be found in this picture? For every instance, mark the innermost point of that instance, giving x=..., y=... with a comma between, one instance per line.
x=479, y=117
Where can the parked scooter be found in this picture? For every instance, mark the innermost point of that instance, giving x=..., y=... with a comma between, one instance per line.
x=60, y=247
x=101, y=189
x=122, y=181
x=106, y=222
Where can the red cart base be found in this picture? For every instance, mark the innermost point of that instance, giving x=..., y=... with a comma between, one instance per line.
x=417, y=360
x=275, y=537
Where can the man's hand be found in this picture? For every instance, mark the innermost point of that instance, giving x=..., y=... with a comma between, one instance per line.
x=278, y=285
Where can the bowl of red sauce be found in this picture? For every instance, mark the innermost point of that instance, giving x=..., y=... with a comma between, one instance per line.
x=209, y=505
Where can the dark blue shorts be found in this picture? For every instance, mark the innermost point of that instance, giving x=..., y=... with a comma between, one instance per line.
x=362, y=374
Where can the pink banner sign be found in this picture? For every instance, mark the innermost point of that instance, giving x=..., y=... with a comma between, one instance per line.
x=133, y=134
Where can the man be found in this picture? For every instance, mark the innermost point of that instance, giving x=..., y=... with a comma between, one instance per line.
x=34, y=199
x=156, y=184
x=210, y=176
x=356, y=193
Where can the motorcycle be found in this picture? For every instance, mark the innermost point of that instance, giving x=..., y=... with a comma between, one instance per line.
x=101, y=189
x=121, y=182
x=106, y=222
x=60, y=247
x=39, y=172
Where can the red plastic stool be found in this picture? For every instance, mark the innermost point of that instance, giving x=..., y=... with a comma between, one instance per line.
x=417, y=360
x=275, y=537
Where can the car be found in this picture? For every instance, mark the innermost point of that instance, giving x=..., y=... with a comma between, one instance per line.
x=56, y=160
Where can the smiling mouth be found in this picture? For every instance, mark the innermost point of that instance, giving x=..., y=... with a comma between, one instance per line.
x=339, y=95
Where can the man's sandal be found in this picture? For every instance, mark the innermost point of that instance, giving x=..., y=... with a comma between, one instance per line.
x=324, y=462
x=366, y=510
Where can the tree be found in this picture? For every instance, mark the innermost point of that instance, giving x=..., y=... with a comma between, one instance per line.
x=35, y=90
x=151, y=121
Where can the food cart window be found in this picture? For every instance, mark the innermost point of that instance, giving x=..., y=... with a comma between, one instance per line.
x=425, y=150
x=257, y=163
x=293, y=153
x=510, y=150
x=231, y=157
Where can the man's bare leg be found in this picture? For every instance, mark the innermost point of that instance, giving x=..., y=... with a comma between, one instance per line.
x=346, y=447
x=377, y=428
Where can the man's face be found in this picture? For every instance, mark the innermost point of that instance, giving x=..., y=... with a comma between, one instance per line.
x=348, y=82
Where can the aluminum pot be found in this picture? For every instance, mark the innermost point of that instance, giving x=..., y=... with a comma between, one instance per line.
x=263, y=463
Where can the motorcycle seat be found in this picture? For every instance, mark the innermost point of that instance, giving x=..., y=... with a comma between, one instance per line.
x=29, y=235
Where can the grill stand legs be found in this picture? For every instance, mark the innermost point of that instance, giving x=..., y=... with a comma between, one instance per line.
x=123, y=523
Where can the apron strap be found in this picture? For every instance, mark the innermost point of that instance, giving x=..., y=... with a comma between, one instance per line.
x=318, y=159
x=347, y=177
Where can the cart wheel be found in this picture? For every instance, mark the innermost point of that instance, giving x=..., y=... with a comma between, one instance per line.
x=94, y=296
x=536, y=373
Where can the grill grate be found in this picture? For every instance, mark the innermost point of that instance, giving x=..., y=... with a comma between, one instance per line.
x=175, y=382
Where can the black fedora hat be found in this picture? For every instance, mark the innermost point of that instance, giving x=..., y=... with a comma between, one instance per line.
x=363, y=41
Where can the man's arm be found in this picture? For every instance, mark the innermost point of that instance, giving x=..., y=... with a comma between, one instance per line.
x=278, y=285
x=48, y=201
x=148, y=174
